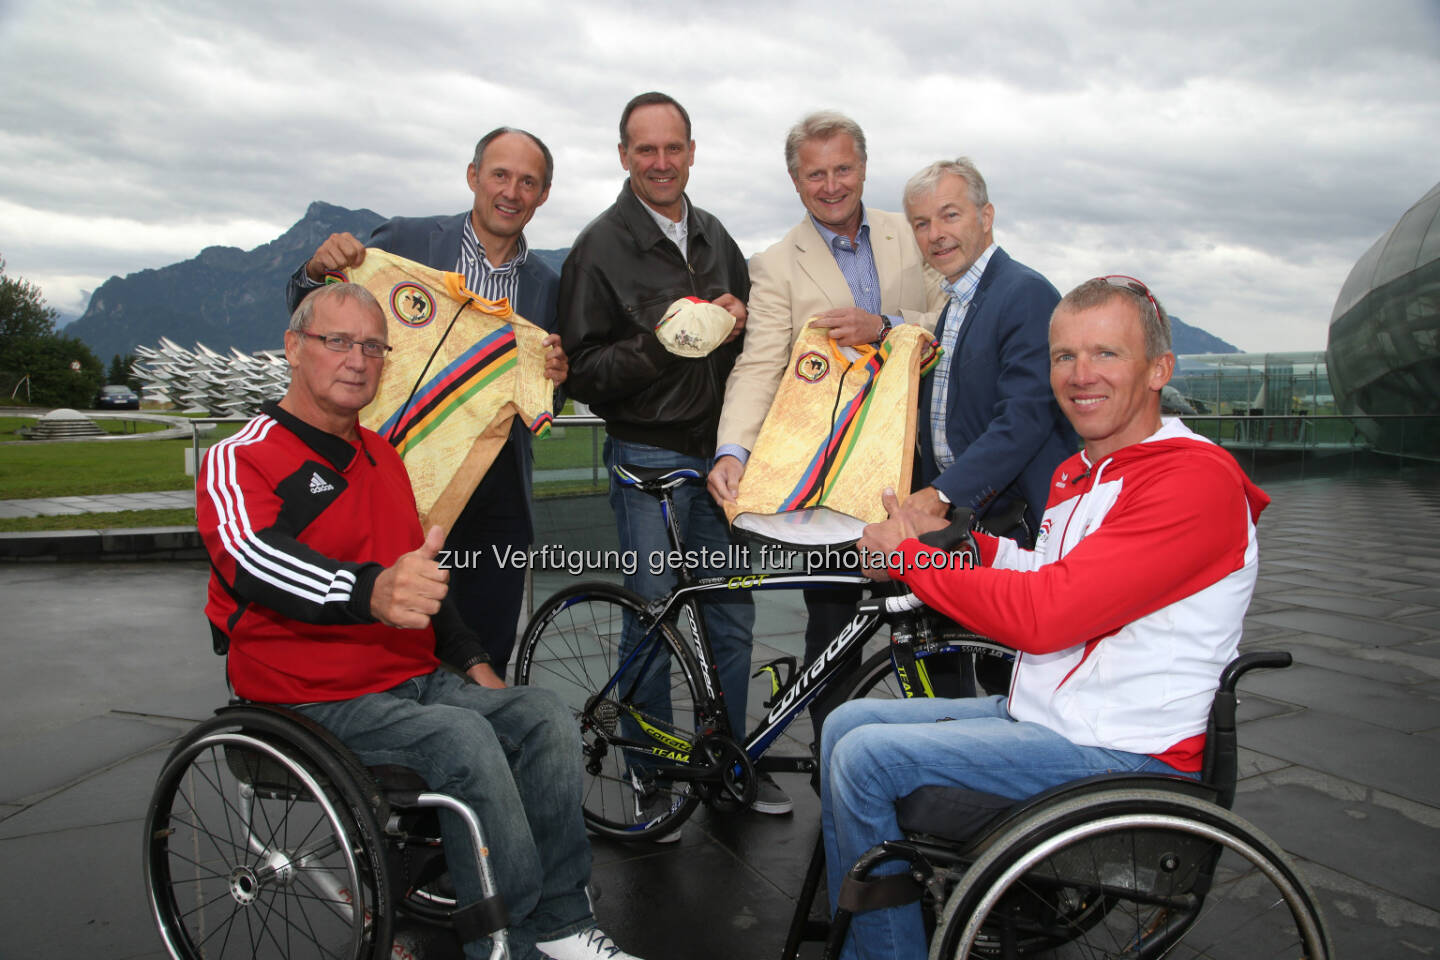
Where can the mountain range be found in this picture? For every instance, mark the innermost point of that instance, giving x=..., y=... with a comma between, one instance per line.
x=228, y=297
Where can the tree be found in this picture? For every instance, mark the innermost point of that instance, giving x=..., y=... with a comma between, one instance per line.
x=23, y=312
x=122, y=371
x=63, y=371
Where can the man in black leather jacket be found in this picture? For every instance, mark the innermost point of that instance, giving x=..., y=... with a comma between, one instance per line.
x=661, y=410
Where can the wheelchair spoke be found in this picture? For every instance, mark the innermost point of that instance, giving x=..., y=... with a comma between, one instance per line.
x=310, y=936
x=1131, y=886
x=200, y=827
x=254, y=853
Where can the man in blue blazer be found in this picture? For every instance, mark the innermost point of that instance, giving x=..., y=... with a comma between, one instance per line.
x=510, y=177
x=990, y=431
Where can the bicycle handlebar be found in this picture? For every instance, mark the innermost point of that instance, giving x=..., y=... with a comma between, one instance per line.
x=902, y=603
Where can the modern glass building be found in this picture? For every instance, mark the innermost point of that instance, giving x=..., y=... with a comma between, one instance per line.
x=1384, y=348
x=1254, y=383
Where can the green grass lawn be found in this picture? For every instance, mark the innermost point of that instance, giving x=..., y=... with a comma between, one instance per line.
x=97, y=466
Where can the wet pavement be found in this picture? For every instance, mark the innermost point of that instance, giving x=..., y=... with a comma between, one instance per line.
x=107, y=663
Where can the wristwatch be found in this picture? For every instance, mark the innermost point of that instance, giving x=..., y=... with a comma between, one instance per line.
x=885, y=326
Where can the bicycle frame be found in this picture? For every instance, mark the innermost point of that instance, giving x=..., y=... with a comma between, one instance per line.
x=790, y=698
x=912, y=633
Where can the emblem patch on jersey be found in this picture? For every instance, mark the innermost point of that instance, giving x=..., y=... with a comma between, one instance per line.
x=412, y=304
x=812, y=367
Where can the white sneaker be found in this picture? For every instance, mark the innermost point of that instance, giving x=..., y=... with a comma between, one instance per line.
x=590, y=944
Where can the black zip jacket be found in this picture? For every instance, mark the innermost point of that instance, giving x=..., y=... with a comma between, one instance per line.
x=621, y=275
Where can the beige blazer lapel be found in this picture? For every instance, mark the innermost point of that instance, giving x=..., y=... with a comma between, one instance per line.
x=816, y=261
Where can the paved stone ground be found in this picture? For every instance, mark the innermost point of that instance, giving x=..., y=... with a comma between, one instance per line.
x=107, y=664
x=102, y=503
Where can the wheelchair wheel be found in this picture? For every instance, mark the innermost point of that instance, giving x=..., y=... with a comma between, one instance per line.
x=1130, y=873
x=633, y=721
x=259, y=844
x=877, y=677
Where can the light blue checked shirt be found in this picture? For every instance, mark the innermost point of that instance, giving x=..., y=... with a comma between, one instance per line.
x=856, y=261
x=492, y=283
x=961, y=292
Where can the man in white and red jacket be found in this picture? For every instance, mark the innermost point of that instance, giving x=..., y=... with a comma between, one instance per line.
x=331, y=601
x=1124, y=613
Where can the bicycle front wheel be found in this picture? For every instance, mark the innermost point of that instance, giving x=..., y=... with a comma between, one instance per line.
x=636, y=694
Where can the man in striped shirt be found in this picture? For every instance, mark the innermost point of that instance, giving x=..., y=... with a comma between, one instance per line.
x=510, y=178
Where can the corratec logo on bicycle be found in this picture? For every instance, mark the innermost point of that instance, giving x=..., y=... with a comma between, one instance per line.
x=807, y=679
x=699, y=649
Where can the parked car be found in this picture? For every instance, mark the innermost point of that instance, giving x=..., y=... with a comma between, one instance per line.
x=117, y=397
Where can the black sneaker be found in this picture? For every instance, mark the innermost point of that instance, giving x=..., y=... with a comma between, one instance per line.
x=769, y=798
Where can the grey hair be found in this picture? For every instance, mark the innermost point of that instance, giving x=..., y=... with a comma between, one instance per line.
x=820, y=125
x=300, y=319
x=1154, y=321
x=928, y=179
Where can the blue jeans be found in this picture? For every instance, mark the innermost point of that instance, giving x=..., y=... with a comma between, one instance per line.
x=873, y=752
x=729, y=620
x=511, y=755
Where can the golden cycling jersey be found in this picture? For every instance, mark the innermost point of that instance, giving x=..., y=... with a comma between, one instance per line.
x=461, y=368
x=841, y=428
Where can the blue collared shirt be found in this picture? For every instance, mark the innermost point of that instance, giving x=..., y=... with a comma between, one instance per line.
x=961, y=292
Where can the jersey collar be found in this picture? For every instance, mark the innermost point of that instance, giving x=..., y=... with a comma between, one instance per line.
x=339, y=452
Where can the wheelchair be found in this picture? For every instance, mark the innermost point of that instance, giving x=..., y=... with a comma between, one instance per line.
x=1134, y=866
x=265, y=837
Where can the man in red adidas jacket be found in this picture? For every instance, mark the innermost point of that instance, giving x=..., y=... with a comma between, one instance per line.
x=332, y=602
x=1124, y=613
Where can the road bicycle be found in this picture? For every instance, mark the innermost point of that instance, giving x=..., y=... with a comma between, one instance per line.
x=643, y=682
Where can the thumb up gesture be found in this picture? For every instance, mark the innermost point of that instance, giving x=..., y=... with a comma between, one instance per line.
x=408, y=594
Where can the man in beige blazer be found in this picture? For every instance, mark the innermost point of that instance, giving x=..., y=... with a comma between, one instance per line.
x=856, y=270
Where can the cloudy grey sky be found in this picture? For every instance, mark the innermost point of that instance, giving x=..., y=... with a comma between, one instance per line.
x=1238, y=156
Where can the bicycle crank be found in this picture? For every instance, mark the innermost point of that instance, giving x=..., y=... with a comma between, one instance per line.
x=733, y=786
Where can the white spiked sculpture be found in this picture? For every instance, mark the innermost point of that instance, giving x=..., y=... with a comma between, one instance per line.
x=220, y=384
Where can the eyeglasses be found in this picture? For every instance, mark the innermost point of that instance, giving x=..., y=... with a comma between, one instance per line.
x=340, y=343
x=1134, y=286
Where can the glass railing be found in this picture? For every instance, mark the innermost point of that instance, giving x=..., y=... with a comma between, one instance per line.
x=569, y=462
x=1293, y=445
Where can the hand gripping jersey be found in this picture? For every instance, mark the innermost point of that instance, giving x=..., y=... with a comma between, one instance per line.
x=840, y=430
x=461, y=367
